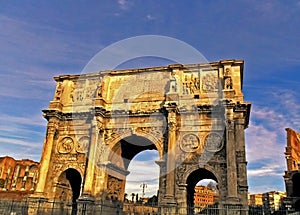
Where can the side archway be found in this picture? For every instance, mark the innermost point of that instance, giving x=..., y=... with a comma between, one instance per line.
x=68, y=187
x=193, y=178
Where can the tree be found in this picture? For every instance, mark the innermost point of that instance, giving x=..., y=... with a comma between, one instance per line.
x=152, y=201
x=132, y=197
x=125, y=197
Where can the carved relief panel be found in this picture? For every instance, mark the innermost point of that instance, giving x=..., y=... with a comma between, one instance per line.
x=190, y=83
x=65, y=145
x=213, y=142
x=83, y=144
x=190, y=142
x=85, y=89
x=209, y=81
x=114, y=188
x=68, y=145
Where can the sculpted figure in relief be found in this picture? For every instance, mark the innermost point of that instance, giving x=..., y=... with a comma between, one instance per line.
x=210, y=82
x=189, y=143
x=65, y=145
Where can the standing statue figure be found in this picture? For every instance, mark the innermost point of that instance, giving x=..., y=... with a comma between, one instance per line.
x=228, y=80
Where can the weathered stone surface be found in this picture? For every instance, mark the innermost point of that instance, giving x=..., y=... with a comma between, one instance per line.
x=193, y=115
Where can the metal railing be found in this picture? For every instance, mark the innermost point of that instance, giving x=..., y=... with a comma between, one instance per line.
x=20, y=207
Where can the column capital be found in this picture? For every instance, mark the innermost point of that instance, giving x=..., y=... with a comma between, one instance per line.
x=229, y=123
x=240, y=121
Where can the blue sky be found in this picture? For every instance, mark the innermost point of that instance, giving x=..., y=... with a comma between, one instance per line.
x=42, y=39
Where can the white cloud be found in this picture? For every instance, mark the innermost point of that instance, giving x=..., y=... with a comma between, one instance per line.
x=22, y=152
x=124, y=4
x=150, y=17
x=265, y=188
x=269, y=170
x=143, y=172
x=36, y=120
x=20, y=142
x=266, y=135
x=266, y=139
x=262, y=144
x=19, y=137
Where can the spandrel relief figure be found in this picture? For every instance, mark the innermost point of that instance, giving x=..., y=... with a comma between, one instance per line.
x=210, y=82
x=65, y=145
x=82, y=145
x=189, y=143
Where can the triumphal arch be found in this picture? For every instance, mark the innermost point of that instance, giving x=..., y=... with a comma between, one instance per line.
x=193, y=115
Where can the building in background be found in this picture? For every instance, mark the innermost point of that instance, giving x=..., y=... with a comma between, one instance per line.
x=204, y=197
x=272, y=201
x=255, y=200
x=17, y=177
x=292, y=174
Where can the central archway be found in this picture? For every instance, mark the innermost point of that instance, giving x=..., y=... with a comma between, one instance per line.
x=122, y=153
x=191, y=183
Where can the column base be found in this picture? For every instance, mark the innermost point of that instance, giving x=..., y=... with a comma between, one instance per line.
x=85, y=204
x=38, y=204
x=168, y=206
x=233, y=201
x=168, y=200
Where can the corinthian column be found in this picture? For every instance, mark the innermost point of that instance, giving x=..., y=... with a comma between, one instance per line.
x=46, y=156
x=170, y=177
x=231, y=157
x=91, y=160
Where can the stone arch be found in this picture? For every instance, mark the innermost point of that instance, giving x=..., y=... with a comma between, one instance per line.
x=192, y=177
x=121, y=154
x=194, y=168
x=61, y=169
x=69, y=180
x=156, y=141
x=68, y=187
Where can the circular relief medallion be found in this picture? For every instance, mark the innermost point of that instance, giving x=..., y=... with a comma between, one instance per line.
x=66, y=145
x=82, y=145
x=213, y=142
x=189, y=143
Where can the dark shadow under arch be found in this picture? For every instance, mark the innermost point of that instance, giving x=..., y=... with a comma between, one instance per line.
x=74, y=178
x=133, y=145
x=70, y=180
x=124, y=151
x=296, y=185
x=297, y=205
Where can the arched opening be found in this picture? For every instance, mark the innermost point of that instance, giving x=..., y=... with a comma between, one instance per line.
x=143, y=178
x=133, y=145
x=136, y=154
x=296, y=185
x=68, y=187
x=202, y=190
